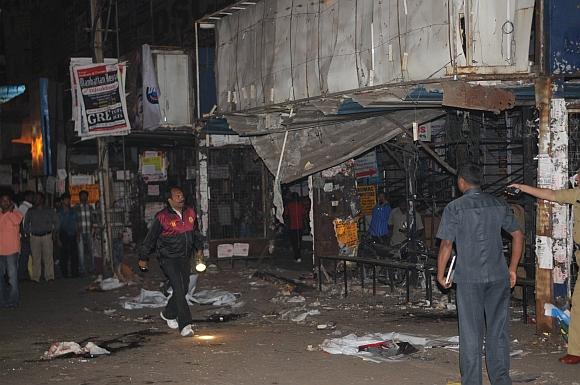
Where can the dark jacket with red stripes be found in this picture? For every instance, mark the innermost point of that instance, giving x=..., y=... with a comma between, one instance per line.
x=171, y=236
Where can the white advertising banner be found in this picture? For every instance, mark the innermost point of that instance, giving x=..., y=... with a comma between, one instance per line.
x=151, y=110
x=100, y=100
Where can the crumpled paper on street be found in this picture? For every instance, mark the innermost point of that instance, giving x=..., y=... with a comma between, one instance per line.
x=59, y=349
x=348, y=345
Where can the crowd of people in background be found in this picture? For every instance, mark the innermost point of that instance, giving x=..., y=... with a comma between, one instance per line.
x=388, y=225
x=34, y=237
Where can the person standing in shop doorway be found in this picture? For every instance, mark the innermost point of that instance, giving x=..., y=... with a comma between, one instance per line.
x=41, y=223
x=68, y=234
x=85, y=218
x=294, y=213
x=379, y=227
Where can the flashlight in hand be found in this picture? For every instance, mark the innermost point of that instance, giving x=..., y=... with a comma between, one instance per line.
x=199, y=262
x=143, y=266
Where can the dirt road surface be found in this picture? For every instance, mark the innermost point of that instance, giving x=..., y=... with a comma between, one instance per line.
x=260, y=348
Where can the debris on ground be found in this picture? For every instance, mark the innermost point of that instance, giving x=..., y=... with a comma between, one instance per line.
x=285, y=284
x=563, y=318
x=326, y=326
x=69, y=349
x=126, y=274
x=218, y=318
x=215, y=297
x=298, y=314
x=282, y=299
x=106, y=284
x=145, y=299
x=379, y=347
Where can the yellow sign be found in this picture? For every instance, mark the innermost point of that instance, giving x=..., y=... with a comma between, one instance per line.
x=346, y=232
x=155, y=161
x=368, y=198
x=92, y=189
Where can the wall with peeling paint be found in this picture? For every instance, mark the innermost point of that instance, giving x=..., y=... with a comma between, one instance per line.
x=563, y=36
x=284, y=50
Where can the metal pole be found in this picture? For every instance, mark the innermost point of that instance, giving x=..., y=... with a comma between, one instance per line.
x=102, y=152
x=197, y=71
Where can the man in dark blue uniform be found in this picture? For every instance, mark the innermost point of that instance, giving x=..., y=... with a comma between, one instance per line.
x=475, y=222
x=379, y=227
x=174, y=237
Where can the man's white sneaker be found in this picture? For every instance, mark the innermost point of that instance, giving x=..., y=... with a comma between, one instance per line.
x=187, y=331
x=172, y=323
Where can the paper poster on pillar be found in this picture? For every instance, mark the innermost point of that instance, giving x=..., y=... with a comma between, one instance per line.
x=545, y=171
x=544, y=254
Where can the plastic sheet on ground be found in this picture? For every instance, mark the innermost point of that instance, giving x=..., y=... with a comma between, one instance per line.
x=68, y=348
x=349, y=345
x=215, y=297
x=145, y=299
x=155, y=299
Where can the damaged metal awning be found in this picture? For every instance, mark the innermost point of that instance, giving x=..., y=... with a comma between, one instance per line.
x=315, y=148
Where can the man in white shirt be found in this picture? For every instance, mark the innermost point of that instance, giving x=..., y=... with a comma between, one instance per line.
x=398, y=221
x=24, y=238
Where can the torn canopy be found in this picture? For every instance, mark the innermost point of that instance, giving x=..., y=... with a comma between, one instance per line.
x=313, y=149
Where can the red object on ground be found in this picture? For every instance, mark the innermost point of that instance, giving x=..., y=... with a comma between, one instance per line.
x=570, y=359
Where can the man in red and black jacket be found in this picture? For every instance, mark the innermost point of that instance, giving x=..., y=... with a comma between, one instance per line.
x=174, y=237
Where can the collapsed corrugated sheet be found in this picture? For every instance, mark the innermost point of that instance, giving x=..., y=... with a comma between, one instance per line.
x=309, y=150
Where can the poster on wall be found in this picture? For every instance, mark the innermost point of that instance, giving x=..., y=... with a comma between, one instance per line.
x=153, y=166
x=101, y=105
x=366, y=165
x=368, y=198
x=346, y=232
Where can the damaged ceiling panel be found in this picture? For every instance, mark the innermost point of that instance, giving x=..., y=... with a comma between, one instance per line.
x=281, y=51
x=312, y=149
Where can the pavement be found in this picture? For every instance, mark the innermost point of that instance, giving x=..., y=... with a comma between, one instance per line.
x=263, y=347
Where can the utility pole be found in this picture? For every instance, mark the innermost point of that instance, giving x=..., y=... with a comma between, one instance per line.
x=544, y=282
x=102, y=150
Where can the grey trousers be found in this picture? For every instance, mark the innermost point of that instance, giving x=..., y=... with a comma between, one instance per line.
x=483, y=309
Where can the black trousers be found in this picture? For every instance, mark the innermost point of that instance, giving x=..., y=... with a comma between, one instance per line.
x=69, y=255
x=295, y=241
x=177, y=272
